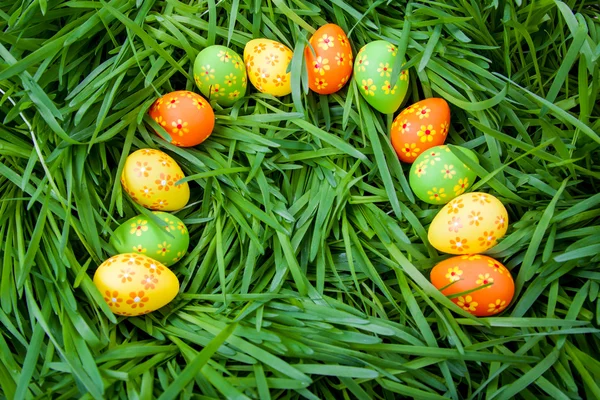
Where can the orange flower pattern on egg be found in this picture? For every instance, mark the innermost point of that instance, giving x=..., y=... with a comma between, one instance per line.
x=330, y=67
x=471, y=223
x=134, y=284
x=150, y=178
x=420, y=127
x=186, y=116
x=267, y=62
x=464, y=273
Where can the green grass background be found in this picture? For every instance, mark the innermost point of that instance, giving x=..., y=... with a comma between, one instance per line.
x=307, y=274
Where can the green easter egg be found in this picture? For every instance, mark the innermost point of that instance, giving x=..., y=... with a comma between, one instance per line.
x=220, y=74
x=437, y=175
x=143, y=236
x=373, y=76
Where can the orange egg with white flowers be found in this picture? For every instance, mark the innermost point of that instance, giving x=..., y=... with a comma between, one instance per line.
x=420, y=127
x=330, y=65
x=186, y=116
x=484, y=286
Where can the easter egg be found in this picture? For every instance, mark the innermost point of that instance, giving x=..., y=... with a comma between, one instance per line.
x=150, y=178
x=437, y=175
x=166, y=244
x=134, y=284
x=471, y=223
x=186, y=116
x=490, y=285
x=373, y=76
x=419, y=127
x=330, y=66
x=267, y=62
x=220, y=74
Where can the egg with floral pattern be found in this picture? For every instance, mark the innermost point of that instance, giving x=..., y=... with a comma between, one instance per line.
x=469, y=224
x=220, y=74
x=150, y=177
x=267, y=63
x=329, y=62
x=420, y=127
x=437, y=175
x=373, y=70
x=134, y=284
x=166, y=242
x=489, y=285
x=185, y=116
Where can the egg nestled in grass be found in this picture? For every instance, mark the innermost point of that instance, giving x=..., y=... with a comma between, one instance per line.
x=420, y=127
x=150, y=177
x=134, y=284
x=267, y=62
x=373, y=71
x=185, y=116
x=220, y=74
x=469, y=224
x=166, y=243
x=484, y=286
x=438, y=176
x=329, y=62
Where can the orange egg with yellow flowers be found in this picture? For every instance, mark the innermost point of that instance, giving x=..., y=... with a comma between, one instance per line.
x=329, y=62
x=420, y=127
x=480, y=285
x=186, y=116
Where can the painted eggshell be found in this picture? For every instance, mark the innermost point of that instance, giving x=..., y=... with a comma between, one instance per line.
x=373, y=76
x=330, y=66
x=149, y=177
x=142, y=235
x=419, y=127
x=465, y=273
x=437, y=175
x=186, y=116
x=267, y=62
x=220, y=74
x=471, y=223
x=133, y=284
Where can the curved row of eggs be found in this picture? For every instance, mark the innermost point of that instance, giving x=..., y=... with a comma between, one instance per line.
x=221, y=75
x=137, y=279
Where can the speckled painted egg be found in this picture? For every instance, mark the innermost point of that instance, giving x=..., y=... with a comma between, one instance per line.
x=420, y=127
x=166, y=244
x=220, y=74
x=134, y=284
x=437, y=175
x=150, y=178
x=490, y=283
x=186, y=116
x=330, y=66
x=471, y=223
x=267, y=62
x=373, y=76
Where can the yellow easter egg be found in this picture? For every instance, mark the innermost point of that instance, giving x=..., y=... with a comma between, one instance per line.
x=266, y=63
x=133, y=284
x=471, y=223
x=150, y=178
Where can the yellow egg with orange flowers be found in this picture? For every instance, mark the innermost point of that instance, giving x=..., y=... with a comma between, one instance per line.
x=471, y=223
x=150, y=177
x=266, y=63
x=133, y=284
x=329, y=62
